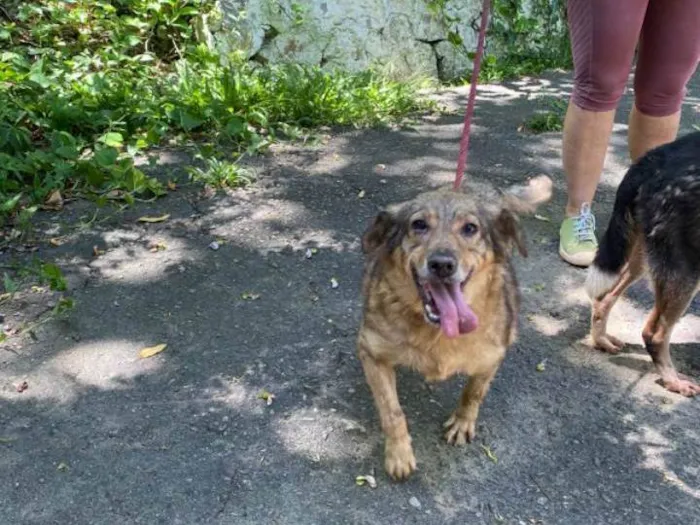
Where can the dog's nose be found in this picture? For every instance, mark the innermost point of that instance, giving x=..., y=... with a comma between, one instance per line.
x=442, y=265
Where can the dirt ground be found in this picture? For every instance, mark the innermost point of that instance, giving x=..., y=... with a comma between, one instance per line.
x=100, y=436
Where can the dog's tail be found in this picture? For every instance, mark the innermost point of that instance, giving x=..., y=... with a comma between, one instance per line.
x=615, y=245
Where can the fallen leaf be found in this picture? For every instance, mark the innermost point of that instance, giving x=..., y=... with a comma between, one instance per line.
x=489, y=454
x=54, y=201
x=540, y=366
x=152, y=350
x=97, y=252
x=4, y=440
x=538, y=287
x=62, y=467
x=248, y=296
x=366, y=479
x=542, y=218
x=115, y=194
x=21, y=387
x=154, y=219
x=266, y=396
x=56, y=241
x=172, y=186
x=361, y=194
x=157, y=247
x=334, y=282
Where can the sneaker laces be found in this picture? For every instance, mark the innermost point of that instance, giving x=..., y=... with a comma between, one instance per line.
x=584, y=225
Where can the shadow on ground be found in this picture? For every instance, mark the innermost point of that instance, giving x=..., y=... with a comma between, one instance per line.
x=101, y=436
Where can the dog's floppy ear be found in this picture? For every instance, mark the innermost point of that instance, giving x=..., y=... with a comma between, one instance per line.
x=385, y=230
x=509, y=232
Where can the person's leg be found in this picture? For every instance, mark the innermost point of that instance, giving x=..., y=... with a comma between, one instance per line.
x=669, y=50
x=603, y=35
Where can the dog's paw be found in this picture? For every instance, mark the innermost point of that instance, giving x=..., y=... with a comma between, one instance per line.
x=607, y=343
x=683, y=386
x=399, y=460
x=459, y=430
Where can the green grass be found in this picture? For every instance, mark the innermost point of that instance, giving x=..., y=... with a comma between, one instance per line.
x=87, y=85
x=547, y=120
x=219, y=173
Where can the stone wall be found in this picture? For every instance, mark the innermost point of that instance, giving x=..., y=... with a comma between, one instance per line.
x=405, y=37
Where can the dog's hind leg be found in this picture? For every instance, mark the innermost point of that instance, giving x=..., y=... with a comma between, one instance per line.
x=601, y=308
x=671, y=303
x=399, y=460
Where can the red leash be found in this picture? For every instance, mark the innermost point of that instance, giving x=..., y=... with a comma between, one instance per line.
x=464, y=142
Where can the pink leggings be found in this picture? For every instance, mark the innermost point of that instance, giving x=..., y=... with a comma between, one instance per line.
x=604, y=35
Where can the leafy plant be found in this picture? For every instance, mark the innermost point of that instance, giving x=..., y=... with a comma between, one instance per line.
x=221, y=174
x=526, y=37
x=88, y=85
x=52, y=274
x=9, y=284
x=548, y=120
x=544, y=122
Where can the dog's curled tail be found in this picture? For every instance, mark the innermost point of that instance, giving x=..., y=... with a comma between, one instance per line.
x=614, y=248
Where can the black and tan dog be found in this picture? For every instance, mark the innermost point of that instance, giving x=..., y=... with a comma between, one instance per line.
x=441, y=297
x=654, y=229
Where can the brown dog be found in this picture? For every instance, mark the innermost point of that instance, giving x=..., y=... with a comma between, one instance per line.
x=441, y=297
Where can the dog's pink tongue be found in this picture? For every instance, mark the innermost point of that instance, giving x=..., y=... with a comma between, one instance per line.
x=455, y=316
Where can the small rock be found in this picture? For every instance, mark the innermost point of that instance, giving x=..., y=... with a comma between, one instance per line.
x=542, y=500
x=214, y=245
x=414, y=502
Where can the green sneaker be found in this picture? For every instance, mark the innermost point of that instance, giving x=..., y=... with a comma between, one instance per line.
x=577, y=241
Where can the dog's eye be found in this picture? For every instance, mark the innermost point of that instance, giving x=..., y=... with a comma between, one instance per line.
x=419, y=226
x=469, y=229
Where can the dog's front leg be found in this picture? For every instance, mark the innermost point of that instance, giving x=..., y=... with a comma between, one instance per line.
x=399, y=460
x=461, y=427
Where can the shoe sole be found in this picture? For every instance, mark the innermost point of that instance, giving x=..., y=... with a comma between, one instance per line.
x=581, y=259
